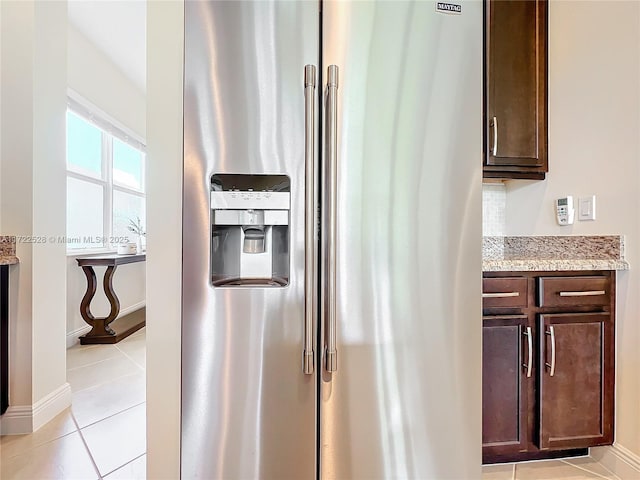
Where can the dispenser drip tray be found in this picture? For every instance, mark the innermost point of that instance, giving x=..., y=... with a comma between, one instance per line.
x=249, y=282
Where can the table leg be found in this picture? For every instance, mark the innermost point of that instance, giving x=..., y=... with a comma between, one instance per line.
x=100, y=326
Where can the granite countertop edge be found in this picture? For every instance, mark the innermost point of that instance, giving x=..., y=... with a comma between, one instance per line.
x=9, y=260
x=554, y=253
x=549, y=265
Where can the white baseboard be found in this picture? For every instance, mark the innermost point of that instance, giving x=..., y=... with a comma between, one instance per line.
x=51, y=405
x=21, y=419
x=18, y=419
x=73, y=336
x=619, y=460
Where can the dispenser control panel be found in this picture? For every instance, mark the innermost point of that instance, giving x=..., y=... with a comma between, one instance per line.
x=248, y=199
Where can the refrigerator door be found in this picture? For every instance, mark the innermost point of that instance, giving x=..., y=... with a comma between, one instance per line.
x=248, y=409
x=405, y=399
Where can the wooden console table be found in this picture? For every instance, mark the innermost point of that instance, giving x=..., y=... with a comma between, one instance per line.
x=101, y=331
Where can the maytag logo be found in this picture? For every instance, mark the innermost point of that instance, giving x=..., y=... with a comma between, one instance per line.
x=448, y=8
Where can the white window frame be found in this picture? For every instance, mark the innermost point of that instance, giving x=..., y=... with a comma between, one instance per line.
x=110, y=129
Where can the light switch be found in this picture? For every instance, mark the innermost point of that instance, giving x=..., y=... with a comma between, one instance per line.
x=587, y=208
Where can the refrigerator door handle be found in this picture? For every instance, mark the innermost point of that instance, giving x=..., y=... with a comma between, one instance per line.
x=310, y=300
x=332, y=162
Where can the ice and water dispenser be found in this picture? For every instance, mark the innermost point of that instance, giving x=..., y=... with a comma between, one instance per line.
x=250, y=230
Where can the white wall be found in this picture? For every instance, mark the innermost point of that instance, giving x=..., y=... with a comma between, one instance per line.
x=32, y=200
x=0, y=124
x=165, y=41
x=93, y=76
x=17, y=200
x=594, y=148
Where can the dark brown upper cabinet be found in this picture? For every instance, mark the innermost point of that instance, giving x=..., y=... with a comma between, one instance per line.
x=515, y=89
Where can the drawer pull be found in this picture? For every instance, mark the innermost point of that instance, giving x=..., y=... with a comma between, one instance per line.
x=590, y=293
x=500, y=295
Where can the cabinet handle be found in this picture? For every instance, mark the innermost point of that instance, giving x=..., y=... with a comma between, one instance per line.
x=501, y=295
x=529, y=363
x=590, y=293
x=494, y=125
x=552, y=365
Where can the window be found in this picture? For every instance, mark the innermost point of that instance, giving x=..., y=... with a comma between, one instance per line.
x=105, y=183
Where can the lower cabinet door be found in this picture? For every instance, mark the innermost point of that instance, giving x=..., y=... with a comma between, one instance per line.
x=507, y=371
x=576, y=380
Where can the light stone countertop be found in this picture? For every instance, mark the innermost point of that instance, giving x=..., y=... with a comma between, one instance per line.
x=6, y=260
x=8, y=250
x=553, y=253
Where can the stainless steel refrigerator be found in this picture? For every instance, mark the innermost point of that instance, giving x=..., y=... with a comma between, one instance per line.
x=331, y=319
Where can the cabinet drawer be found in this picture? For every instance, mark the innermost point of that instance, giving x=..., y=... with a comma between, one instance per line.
x=573, y=291
x=504, y=292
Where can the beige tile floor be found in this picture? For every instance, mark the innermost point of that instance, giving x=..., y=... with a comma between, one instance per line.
x=583, y=468
x=102, y=435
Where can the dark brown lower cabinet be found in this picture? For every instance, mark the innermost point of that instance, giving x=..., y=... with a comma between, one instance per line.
x=506, y=378
x=548, y=364
x=576, y=384
x=4, y=338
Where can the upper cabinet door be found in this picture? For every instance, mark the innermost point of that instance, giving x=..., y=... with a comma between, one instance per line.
x=516, y=89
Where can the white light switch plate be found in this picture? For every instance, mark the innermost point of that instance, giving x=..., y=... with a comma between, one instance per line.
x=587, y=208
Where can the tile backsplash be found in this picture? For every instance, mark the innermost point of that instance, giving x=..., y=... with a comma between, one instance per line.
x=494, y=200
